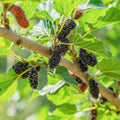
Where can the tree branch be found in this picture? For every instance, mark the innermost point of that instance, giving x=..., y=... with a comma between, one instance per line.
x=36, y=47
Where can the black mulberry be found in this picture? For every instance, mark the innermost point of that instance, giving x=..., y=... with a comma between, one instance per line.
x=54, y=60
x=20, y=67
x=93, y=88
x=62, y=48
x=93, y=114
x=33, y=78
x=88, y=59
x=83, y=67
x=68, y=26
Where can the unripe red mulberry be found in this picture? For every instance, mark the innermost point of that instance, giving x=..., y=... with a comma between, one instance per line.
x=19, y=15
x=78, y=14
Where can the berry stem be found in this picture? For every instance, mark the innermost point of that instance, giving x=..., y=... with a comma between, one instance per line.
x=73, y=53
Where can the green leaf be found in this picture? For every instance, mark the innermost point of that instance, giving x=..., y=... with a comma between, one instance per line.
x=99, y=18
x=68, y=109
x=91, y=16
x=3, y=51
x=95, y=4
x=91, y=45
x=112, y=16
x=66, y=94
x=109, y=65
x=66, y=6
x=43, y=14
x=51, y=88
x=111, y=68
x=8, y=85
x=29, y=8
x=63, y=73
x=42, y=79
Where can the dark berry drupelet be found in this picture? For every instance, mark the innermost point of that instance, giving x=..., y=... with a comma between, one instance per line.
x=20, y=67
x=93, y=114
x=54, y=60
x=68, y=26
x=93, y=88
x=91, y=59
x=103, y=99
x=33, y=78
x=38, y=68
x=62, y=48
x=83, y=67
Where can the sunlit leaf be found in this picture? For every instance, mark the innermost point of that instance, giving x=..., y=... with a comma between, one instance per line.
x=66, y=6
x=8, y=85
x=66, y=94
x=63, y=73
x=96, y=4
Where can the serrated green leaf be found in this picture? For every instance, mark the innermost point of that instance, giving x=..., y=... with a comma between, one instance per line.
x=91, y=16
x=29, y=8
x=107, y=1
x=51, y=88
x=99, y=18
x=111, y=68
x=63, y=73
x=109, y=65
x=66, y=94
x=96, y=4
x=43, y=14
x=8, y=85
x=68, y=109
x=96, y=47
x=112, y=16
x=66, y=6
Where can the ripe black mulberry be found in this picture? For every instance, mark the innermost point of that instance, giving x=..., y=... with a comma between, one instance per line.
x=93, y=88
x=54, y=60
x=93, y=114
x=68, y=26
x=20, y=67
x=33, y=78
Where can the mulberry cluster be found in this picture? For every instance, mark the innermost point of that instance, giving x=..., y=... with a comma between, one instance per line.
x=86, y=59
x=33, y=77
x=93, y=88
x=54, y=60
x=20, y=67
x=93, y=114
x=103, y=99
x=68, y=26
x=19, y=15
x=61, y=48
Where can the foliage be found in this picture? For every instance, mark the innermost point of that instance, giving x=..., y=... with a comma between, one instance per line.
x=97, y=31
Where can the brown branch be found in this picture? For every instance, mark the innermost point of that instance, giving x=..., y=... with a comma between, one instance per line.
x=36, y=47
